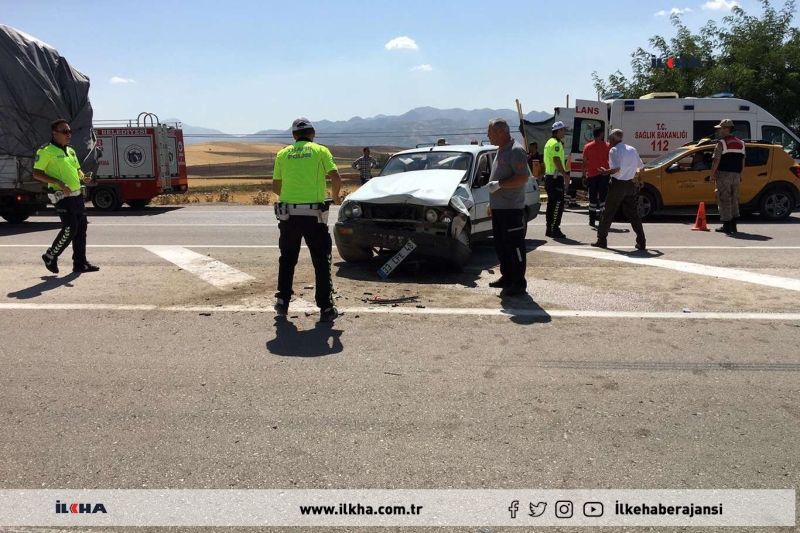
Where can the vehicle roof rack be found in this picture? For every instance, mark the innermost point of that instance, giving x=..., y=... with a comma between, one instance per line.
x=425, y=145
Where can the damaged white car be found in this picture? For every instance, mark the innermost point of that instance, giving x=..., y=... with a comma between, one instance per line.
x=436, y=196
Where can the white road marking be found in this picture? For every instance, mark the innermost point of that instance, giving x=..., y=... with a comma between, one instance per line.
x=549, y=246
x=206, y=268
x=791, y=284
x=528, y=313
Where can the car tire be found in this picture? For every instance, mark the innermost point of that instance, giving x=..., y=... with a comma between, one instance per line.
x=776, y=204
x=352, y=254
x=105, y=199
x=646, y=204
x=465, y=237
x=138, y=204
x=15, y=218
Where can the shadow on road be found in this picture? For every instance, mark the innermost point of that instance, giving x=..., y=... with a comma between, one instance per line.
x=523, y=310
x=48, y=284
x=27, y=227
x=290, y=341
x=749, y=237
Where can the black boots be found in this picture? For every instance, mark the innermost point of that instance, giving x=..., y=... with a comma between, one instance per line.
x=726, y=228
x=592, y=218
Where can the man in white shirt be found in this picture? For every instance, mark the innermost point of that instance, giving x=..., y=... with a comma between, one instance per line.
x=625, y=181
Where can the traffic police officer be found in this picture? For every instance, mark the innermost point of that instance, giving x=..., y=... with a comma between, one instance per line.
x=556, y=180
x=302, y=210
x=57, y=165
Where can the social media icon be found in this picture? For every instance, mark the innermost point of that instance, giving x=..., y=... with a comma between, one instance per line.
x=593, y=509
x=538, y=509
x=564, y=509
x=514, y=508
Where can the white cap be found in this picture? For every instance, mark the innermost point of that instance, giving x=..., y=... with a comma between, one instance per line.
x=558, y=126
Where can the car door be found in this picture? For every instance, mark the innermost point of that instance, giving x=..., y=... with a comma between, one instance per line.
x=481, y=221
x=756, y=172
x=687, y=181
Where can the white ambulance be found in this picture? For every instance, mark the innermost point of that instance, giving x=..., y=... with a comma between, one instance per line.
x=658, y=123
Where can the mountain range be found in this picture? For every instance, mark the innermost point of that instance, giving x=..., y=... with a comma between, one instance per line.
x=420, y=125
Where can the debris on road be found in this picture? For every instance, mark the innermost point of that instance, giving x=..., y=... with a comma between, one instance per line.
x=384, y=301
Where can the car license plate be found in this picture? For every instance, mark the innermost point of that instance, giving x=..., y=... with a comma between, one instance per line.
x=393, y=263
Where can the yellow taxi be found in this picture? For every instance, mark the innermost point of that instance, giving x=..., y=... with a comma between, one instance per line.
x=770, y=180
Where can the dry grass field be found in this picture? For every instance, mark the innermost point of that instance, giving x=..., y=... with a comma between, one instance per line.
x=240, y=172
x=255, y=160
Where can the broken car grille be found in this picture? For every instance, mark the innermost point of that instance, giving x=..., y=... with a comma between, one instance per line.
x=393, y=212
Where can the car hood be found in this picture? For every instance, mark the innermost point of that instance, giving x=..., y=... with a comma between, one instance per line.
x=421, y=187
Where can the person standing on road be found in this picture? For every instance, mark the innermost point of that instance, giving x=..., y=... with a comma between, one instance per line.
x=535, y=159
x=509, y=176
x=302, y=211
x=364, y=165
x=556, y=180
x=595, y=157
x=57, y=165
x=726, y=172
x=625, y=165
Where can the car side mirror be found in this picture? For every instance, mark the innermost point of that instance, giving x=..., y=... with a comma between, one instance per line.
x=482, y=179
x=674, y=167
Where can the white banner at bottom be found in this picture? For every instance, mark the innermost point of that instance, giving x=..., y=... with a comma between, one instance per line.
x=381, y=508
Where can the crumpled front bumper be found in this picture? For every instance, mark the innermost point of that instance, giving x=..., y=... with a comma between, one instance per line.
x=360, y=235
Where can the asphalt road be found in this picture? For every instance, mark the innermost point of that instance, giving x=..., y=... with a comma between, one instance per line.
x=617, y=371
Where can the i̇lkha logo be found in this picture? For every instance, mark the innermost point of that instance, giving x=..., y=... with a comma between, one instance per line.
x=675, y=62
x=79, y=508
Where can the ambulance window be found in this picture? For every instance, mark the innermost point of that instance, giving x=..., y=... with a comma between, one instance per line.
x=584, y=132
x=777, y=135
x=756, y=157
x=705, y=129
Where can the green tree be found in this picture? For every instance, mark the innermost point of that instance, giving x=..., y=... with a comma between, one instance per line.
x=756, y=58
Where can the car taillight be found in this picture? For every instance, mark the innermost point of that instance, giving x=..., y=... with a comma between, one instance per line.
x=796, y=171
x=19, y=198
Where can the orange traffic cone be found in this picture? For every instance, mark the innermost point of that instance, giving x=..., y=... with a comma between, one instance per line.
x=700, y=223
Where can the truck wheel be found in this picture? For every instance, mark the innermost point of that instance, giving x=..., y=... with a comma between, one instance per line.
x=105, y=199
x=776, y=204
x=138, y=204
x=15, y=218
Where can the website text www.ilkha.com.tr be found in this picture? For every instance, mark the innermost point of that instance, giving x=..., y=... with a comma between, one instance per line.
x=356, y=509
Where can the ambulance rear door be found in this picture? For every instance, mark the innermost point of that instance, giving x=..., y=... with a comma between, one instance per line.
x=588, y=115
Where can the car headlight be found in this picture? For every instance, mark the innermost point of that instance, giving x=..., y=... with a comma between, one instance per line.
x=352, y=210
x=431, y=215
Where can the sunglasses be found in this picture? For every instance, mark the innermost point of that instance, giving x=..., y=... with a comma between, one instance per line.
x=65, y=132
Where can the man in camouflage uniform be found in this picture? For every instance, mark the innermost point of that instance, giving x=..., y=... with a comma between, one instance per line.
x=726, y=172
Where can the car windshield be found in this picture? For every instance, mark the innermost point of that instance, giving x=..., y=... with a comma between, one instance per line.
x=658, y=161
x=427, y=161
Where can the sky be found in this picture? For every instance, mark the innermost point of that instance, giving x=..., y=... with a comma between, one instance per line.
x=241, y=66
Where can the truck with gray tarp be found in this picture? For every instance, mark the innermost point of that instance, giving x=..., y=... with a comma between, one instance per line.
x=37, y=86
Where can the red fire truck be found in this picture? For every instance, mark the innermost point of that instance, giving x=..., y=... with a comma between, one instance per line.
x=138, y=161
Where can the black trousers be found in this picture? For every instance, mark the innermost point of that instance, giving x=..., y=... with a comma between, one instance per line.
x=508, y=230
x=621, y=194
x=598, y=191
x=318, y=240
x=72, y=212
x=554, y=185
